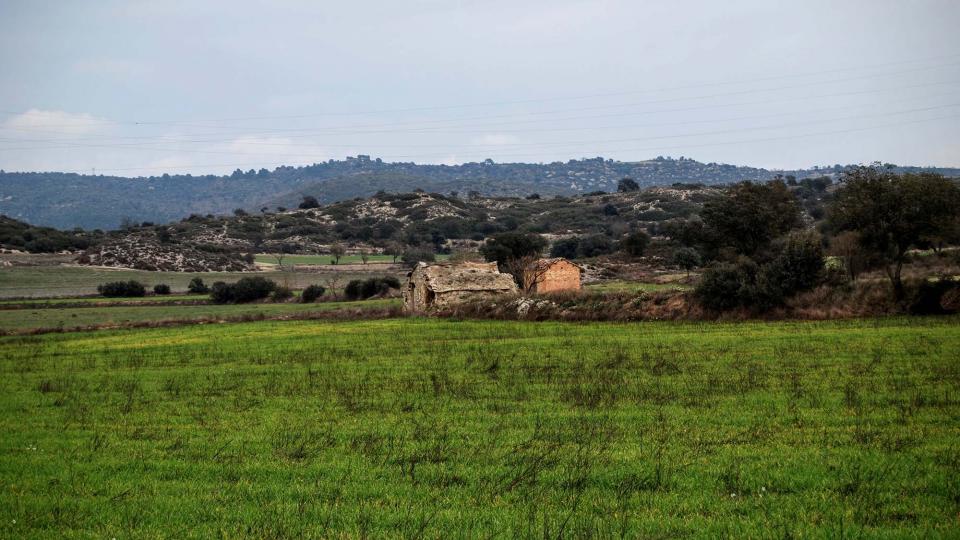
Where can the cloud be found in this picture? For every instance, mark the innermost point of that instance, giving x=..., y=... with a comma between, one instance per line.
x=57, y=123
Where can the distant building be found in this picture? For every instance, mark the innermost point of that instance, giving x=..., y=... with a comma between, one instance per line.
x=551, y=275
x=442, y=284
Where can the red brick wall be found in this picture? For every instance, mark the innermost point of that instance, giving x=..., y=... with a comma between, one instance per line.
x=560, y=276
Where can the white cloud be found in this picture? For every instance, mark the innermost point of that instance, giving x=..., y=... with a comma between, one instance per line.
x=56, y=123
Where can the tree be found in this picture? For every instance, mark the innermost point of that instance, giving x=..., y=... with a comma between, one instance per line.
x=797, y=267
x=308, y=202
x=364, y=257
x=506, y=246
x=284, y=249
x=337, y=251
x=197, y=286
x=687, y=259
x=892, y=213
x=634, y=244
x=513, y=252
x=627, y=184
x=846, y=246
x=566, y=248
x=412, y=256
x=595, y=245
x=311, y=293
x=395, y=250
x=748, y=217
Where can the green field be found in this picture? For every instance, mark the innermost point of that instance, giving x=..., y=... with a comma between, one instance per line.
x=326, y=259
x=634, y=286
x=55, y=281
x=12, y=320
x=434, y=428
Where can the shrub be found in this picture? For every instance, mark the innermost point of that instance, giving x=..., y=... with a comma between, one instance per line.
x=246, y=289
x=161, y=288
x=634, y=244
x=197, y=286
x=505, y=247
x=935, y=297
x=281, y=294
x=798, y=266
x=130, y=288
x=566, y=248
x=413, y=256
x=363, y=289
x=307, y=203
x=724, y=286
x=687, y=258
x=312, y=293
x=595, y=245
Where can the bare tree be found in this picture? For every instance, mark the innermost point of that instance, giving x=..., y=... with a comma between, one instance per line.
x=395, y=250
x=333, y=284
x=337, y=251
x=526, y=271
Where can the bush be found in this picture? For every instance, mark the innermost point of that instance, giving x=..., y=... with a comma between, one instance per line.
x=798, y=267
x=361, y=290
x=161, y=288
x=725, y=286
x=687, y=258
x=634, y=244
x=566, y=248
x=246, y=289
x=197, y=286
x=281, y=294
x=505, y=247
x=122, y=289
x=935, y=297
x=413, y=256
x=308, y=202
x=312, y=293
x=595, y=245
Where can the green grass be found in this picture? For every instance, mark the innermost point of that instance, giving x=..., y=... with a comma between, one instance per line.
x=634, y=286
x=325, y=259
x=433, y=428
x=152, y=299
x=63, y=281
x=80, y=317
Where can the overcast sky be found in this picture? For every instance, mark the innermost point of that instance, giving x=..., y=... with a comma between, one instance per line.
x=138, y=88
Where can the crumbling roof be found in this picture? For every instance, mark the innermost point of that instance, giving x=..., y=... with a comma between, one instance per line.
x=465, y=276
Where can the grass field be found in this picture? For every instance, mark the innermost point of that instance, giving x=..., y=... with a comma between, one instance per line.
x=634, y=286
x=433, y=428
x=53, y=281
x=78, y=317
x=325, y=259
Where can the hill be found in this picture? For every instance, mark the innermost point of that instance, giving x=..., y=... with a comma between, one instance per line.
x=67, y=200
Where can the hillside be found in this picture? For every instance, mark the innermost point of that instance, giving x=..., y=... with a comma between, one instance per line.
x=67, y=200
x=431, y=220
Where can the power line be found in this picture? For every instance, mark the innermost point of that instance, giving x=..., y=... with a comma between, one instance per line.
x=568, y=98
x=595, y=152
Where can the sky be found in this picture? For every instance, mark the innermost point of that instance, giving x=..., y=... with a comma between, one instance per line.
x=135, y=88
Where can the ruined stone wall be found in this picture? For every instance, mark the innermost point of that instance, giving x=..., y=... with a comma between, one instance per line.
x=459, y=297
x=560, y=276
x=415, y=293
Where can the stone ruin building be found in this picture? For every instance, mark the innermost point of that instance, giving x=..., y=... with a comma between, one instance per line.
x=442, y=284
